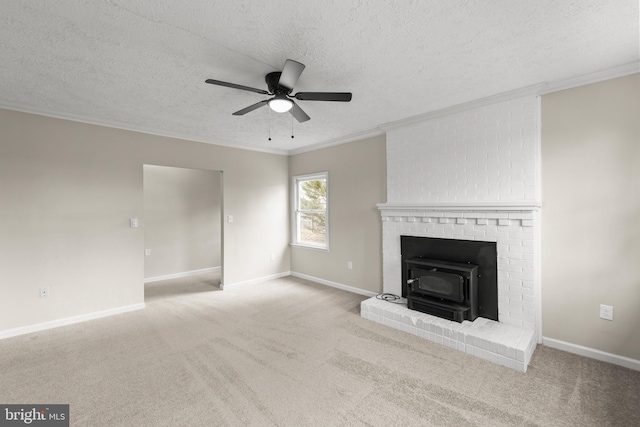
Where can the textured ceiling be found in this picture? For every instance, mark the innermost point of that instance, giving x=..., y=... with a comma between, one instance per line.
x=142, y=64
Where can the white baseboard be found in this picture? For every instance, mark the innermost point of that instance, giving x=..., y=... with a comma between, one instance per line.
x=614, y=359
x=334, y=284
x=254, y=281
x=69, y=321
x=183, y=274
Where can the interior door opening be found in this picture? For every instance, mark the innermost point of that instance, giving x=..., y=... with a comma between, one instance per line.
x=183, y=231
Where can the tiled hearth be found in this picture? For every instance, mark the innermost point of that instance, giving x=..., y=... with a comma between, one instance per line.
x=496, y=342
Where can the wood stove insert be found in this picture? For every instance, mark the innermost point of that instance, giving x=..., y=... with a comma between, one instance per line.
x=450, y=278
x=445, y=289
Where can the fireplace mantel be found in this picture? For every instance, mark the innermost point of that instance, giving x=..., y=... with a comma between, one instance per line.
x=499, y=206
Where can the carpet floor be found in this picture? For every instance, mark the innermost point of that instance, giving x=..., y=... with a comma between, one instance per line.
x=293, y=353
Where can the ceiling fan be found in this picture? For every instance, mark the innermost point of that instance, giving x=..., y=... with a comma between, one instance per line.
x=280, y=85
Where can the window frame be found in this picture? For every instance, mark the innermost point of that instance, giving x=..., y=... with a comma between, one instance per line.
x=295, y=211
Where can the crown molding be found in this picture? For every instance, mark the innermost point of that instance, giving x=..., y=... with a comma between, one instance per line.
x=338, y=141
x=533, y=90
x=466, y=106
x=612, y=73
x=117, y=125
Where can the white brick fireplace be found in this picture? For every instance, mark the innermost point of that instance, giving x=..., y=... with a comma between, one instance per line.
x=471, y=173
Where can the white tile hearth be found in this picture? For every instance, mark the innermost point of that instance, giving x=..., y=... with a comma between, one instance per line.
x=500, y=343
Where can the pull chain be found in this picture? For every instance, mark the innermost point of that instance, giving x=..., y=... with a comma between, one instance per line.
x=291, y=126
x=269, y=124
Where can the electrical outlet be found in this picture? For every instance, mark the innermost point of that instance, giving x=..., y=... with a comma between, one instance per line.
x=44, y=292
x=606, y=312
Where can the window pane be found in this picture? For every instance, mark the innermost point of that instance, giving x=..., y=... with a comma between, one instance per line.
x=310, y=210
x=311, y=228
x=312, y=194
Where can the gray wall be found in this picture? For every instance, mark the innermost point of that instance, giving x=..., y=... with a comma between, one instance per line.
x=591, y=215
x=357, y=182
x=67, y=191
x=181, y=220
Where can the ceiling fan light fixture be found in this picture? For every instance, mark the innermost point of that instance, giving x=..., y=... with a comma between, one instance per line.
x=280, y=104
x=280, y=85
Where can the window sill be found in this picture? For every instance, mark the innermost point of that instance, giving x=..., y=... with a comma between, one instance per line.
x=314, y=248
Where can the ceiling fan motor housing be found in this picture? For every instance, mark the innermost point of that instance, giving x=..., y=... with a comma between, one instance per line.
x=272, y=80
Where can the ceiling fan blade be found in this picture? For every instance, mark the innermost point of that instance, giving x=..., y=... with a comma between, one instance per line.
x=324, y=96
x=250, y=108
x=235, y=86
x=290, y=73
x=298, y=113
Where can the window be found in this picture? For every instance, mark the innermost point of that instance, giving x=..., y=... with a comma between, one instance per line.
x=310, y=210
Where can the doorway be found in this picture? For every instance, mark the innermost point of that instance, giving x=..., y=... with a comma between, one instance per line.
x=182, y=231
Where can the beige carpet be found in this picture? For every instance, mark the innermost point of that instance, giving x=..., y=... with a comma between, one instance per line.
x=291, y=353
